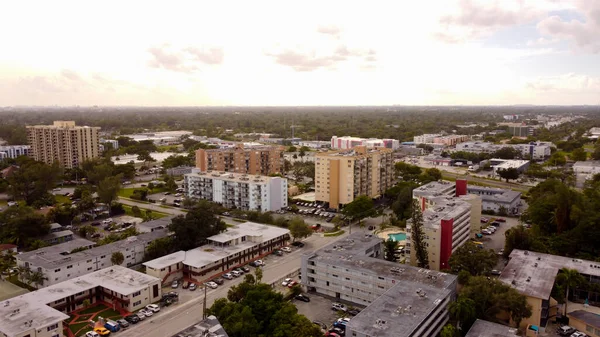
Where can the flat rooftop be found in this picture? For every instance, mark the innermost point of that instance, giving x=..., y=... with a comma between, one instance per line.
x=57, y=235
x=483, y=328
x=149, y=226
x=165, y=261
x=445, y=208
x=58, y=255
x=208, y=327
x=249, y=229
x=435, y=188
x=19, y=314
x=491, y=194
x=587, y=317
x=588, y=163
x=230, y=176
x=399, y=311
x=533, y=274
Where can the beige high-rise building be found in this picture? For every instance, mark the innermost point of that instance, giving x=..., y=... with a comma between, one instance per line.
x=262, y=160
x=63, y=142
x=344, y=175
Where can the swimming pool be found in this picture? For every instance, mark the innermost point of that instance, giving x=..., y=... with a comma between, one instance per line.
x=397, y=236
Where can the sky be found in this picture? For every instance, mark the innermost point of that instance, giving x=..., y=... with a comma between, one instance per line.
x=205, y=53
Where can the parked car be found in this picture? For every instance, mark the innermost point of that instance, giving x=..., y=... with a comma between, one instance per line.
x=92, y=334
x=193, y=286
x=302, y=298
x=211, y=285
x=102, y=331
x=239, y=270
x=501, y=251
x=337, y=331
x=276, y=252
x=500, y=220
x=175, y=284
x=219, y=281
x=291, y=284
x=484, y=220
x=112, y=326
x=320, y=324
x=579, y=334
x=228, y=276
x=495, y=224
x=565, y=330
x=236, y=273
x=185, y=285
x=146, y=313
x=354, y=312
x=339, y=307
x=486, y=232
x=496, y=272
x=95, y=223
x=132, y=319
x=153, y=307
x=226, y=213
x=299, y=244
x=245, y=269
x=286, y=249
x=286, y=282
x=141, y=315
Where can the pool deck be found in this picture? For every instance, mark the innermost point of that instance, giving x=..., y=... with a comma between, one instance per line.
x=395, y=230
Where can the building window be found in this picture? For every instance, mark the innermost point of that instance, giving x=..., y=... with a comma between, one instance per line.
x=69, y=267
x=52, y=327
x=137, y=293
x=135, y=304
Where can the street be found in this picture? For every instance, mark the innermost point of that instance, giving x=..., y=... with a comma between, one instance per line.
x=188, y=311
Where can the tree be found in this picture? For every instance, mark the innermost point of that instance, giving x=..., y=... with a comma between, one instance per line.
x=295, y=290
x=569, y=278
x=401, y=207
x=474, y=260
x=37, y=278
x=170, y=184
x=299, y=229
x=510, y=173
x=136, y=211
x=430, y=174
x=408, y=172
x=108, y=189
x=449, y=331
x=596, y=153
x=507, y=153
x=145, y=157
x=292, y=149
x=557, y=159
x=21, y=226
x=32, y=181
x=117, y=258
x=86, y=231
x=418, y=236
x=258, y=273
x=517, y=237
x=176, y=161
x=390, y=247
x=199, y=223
x=86, y=303
x=463, y=312
x=361, y=207
x=159, y=247
x=578, y=154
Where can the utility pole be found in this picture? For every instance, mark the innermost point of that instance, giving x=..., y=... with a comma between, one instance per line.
x=204, y=304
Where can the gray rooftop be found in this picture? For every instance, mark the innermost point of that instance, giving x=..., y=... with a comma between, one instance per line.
x=165, y=261
x=230, y=176
x=56, y=256
x=208, y=327
x=18, y=315
x=57, y=235
x=491, y=194
x=155, y=224
x=588, y=163
x=533, y=274
x=445, y=208
x=587, y=317
x=483, y=328
x=249, y=229
x=435, y=188
x=399, y=311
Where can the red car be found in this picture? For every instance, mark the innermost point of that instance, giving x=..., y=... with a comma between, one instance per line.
x=291, y=284
x=500, y=220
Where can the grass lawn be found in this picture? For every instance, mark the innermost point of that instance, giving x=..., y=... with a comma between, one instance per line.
x=93, y=309
x=61, y=199
x=3, y=203
x=110, y=313
x=79, y=327
x=15, y=280
x=127, y=192
x=155, y=214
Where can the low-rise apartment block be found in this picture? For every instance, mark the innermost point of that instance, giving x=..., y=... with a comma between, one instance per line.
x=263, y=160
x=445, y=140
x=235, y=190
x=14, y=151
x=344, y=175
x=208, y=327
x=534, y=150
x=237, y=246
x=401, y=300
x=483, y=328
x=42, y=312
x=533, y=275
x=586, y=169
x=496, y=199
x=345, y=143
x=59, y=263
x=63, y=142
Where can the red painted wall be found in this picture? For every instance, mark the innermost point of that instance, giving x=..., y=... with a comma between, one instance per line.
x=461, y=187
x=446, y=243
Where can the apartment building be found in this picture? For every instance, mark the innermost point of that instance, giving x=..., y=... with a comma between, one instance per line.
x=14, y=151
x=236, y=190
x=400, y=300
x=534, y=150
x=450, y=140
x=41, y=313
x=586, y=169
x=347, y=142
x=425, y=138
x=59, y=263
x=519, y=130
x=483, y=328
x=495, y=199
x=344, y=175
x=114, y=144
x=235, y=247
x=263, y=160
x=533, y=275
x=208, y=327
x=63, y=142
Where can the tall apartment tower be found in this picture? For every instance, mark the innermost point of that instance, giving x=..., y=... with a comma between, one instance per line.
x=344, y=175
x=262, y=160
x=63, y=142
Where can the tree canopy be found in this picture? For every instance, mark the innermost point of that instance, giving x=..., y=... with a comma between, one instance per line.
x=299, y=229
x=510, y=173
x=476, y=261
x=418, y=236
x=22, y=225
x=360, y=208
x=199, y=223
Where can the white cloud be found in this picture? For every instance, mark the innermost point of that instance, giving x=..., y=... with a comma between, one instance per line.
x=583, y=34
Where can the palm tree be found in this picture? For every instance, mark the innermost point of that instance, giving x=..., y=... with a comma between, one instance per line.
x=37, y=278
x=570, y=278
x=462, y=311
x=390, y=247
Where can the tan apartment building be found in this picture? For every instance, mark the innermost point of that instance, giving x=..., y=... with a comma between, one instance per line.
x=341, y=176
x=63, y=142
x=260, y=160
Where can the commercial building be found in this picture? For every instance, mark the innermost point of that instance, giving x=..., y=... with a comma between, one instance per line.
x=263, y=160
x=594, y=133
x=483, y=328
x=160, y=137
x=14, y=151
x=520, y=130
x=208, y=327
x=344, y=175
x=503, y=164
x=345, y=143
x=235, y=247
x=534, y=150
x=401, y=300
x=314, y=144
x=235, y=190
x=533, y=275
x=63, y=142
x=59, y=263
x=180, y=170
x=425, y=138
x=510, y=117
x=586, y=169
x=585, y=321
x=495, y=199
x=447, y=222
x=444, y=140
x=42, y=312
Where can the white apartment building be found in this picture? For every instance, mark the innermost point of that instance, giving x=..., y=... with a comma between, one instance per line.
x=351, y=270
x=59, y=264
x=314, y=144
x=113, y=143
x=425, y=138
x=41, y=313
x=237, y=190
x=235, y=247
x=535, y=150
x=347, y=142
x=14, y=151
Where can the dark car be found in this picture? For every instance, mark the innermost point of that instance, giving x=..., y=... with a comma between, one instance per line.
x=500, y=220
x=219, y=281
x=95, y=223
x=133, y=319
x=495, y=224
x=298, y=244
x=302, y=298
x=353, y=312
x=321, y=325
x=246, y=269
x=338, y=331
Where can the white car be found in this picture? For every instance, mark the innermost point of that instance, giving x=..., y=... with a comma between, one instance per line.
x=236, y=273
x=141, y=315
x=147, y=313
x=286, y=249
x=92, y=334
x=153, y=307
x=579, y=334
x=259, y=262
x=107, y=221
x=286, y=282
x=211, y=284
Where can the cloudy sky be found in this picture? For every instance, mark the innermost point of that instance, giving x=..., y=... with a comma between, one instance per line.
x=300, y=52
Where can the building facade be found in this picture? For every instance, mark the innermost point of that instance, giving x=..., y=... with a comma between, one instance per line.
x=342, y=176
x=14, y=151
x=59, y=263
x=351, y=270
x=235, y=190
x=63, y=142
x=237, y=246
x=263, y=160
x=425, y=138
x=586, y=169
x=496, y=199
x=345, y=143
x=533, y=150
